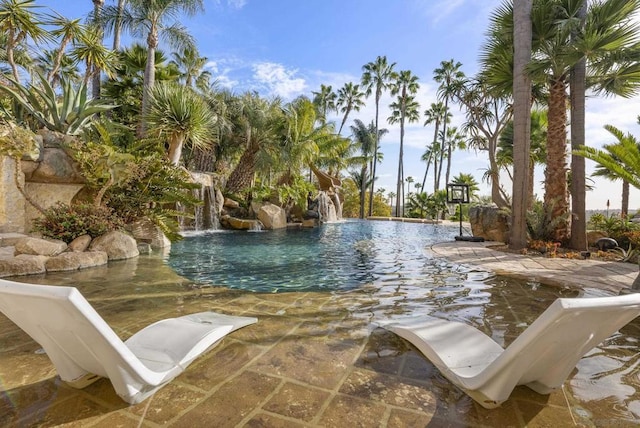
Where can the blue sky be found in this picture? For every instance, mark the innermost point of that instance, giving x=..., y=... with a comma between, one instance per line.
x=288, y=48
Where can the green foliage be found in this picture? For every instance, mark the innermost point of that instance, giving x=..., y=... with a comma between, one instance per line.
x=297, y=192
x=423, y=205
x=541, y=224
x=618, y=228
x=16, y=141
x=67, y=222
x=137, y=183
x=68, y=114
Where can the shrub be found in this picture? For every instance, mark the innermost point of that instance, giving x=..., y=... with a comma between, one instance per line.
x=67, y=222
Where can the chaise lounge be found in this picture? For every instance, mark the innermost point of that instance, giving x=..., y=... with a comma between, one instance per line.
x=82, y=347
x=541, y=357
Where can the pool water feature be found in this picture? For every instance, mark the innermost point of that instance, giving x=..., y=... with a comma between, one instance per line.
x=314, y=358
x=336, y=256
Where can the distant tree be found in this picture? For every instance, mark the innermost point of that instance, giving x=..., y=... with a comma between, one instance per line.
x=377, y=75
x=325, y=101
x=350, y=98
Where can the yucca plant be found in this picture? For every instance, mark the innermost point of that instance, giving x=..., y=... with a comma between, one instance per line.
x=69, y=113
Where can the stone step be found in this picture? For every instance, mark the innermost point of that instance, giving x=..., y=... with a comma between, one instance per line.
x=9, y=239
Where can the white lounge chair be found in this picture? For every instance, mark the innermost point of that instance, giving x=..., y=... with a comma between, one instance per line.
x=541, y=357
x=83, y=347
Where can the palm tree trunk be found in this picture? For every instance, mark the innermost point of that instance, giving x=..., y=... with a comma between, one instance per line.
x=578, y=239
x=117, y=31
x=363, y=189
x=625, y=199
x=149, y=79
x=399, y=184
x=448, y=171
x=555, y=195
x=175, y=149
x=375, y=157
x=521, y=124
x=95, y=84
x=344, y=119
x=11, y=44
x=242, y=175
x=444, y=137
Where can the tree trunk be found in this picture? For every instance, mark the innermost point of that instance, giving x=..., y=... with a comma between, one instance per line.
x=363, y=189
x=149, y=80
x=117, y=30
x=242, y=175
x=555, y=190
x=375, y=155
x=399, y=184
x=175, y=149
x=203, y=159
x=624, y=212
x=521, y=124
x=578, y=240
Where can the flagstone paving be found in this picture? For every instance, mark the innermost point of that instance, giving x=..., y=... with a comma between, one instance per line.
x=316, y=360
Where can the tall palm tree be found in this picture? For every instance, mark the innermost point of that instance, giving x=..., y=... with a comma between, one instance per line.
x=152, y=20
x=378, y=75
x=350, y=98
x=182, y=116
x=521, y=123
x=450, y=79
x=325, y=101
x=98, y=5
x=606, y=41
x=117, y=25
x=454, y=140
x=403, y=110
x=365, y=141
x=190, y=64
x=537, y=150
x=20, y=20
x=436, y=114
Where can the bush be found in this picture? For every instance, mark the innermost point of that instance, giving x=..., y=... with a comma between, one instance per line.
x=67, y=222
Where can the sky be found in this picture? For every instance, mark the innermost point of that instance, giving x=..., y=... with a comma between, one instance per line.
x=288, y=48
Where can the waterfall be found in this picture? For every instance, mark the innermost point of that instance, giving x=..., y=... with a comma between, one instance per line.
x=205, y=215
x=210, y=209
x=326, y=208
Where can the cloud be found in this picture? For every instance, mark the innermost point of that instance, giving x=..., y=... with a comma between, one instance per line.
x=237, y=4
x=277, y=80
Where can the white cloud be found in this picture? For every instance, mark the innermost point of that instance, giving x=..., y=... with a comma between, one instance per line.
x=237, y=4
x=278, y=80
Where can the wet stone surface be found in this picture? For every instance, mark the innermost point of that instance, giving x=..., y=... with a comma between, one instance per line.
x=314, y=359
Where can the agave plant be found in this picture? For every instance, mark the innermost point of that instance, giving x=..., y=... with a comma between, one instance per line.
x=69, y=113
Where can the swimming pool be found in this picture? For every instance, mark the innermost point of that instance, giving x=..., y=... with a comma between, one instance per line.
x=336, y=256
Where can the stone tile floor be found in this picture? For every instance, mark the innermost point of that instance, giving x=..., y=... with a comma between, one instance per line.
x=315, y=360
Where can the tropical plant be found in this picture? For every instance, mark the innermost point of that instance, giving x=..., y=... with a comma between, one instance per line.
x=377, y=75
x=365, y=139
x=20, y=20
x=349, y=99
x=435, y=114
x=190, y=64
x=152, y=20
x=68, y=114
x=67, y=222
x=404, y=109
x=450, y=79
x=181, y=116
x=95, y=56
x=325, y=101
x=69, y=31
x=470, y=181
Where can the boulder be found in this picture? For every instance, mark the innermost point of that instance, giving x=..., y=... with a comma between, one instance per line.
x=219, y=201
x=55, y=166
x=240, y=223
x=74, y=261
x=145, y=231
x=40, y=247
x=118, y=245
x=272, y=216
x=24, y=264
x=80, y=244
x=489, y=222
x=230, y=203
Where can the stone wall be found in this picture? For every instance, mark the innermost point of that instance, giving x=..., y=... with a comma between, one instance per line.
x=12, y=203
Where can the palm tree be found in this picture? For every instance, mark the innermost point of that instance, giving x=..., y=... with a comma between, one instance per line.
x=180, y=115
x=325, y=101
x=537, y=150
x=522, y=107
x=377, y=74
x=409, y=180
x=349, y=99
x=450, y=78
x=190, y=64
x=404, y=109
x=470, y=181
x=560, y=41
x=391, y=197
x=623, y=155
x=454, y=140
x=117, y=25
x=436, y=114
x=67, y=69
x=152, y=20
x=20, y=21
x=365, y=140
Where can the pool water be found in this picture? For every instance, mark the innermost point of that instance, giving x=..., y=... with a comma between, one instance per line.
x=336, y=256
